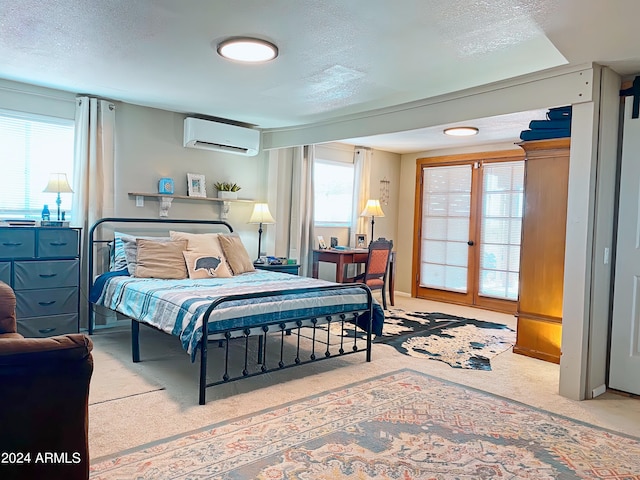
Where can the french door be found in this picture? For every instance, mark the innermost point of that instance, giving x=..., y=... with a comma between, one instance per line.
x=468, y=222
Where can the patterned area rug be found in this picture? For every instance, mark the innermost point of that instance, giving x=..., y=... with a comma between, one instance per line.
x=458, y=341
x=405, y=425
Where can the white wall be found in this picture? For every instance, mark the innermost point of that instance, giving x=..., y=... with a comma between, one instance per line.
x=149, y=147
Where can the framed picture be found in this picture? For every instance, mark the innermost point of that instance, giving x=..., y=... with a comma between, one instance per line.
x=196, y=186
x=361, y=240
x=321, y=244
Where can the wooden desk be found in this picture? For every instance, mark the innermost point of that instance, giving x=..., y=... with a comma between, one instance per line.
x=344, y=257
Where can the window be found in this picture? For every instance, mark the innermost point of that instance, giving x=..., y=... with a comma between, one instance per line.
x=502, y=204
x=32, y=147
x=333, y=193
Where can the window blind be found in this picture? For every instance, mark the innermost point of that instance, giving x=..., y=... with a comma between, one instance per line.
x=445, y=227
x=333, y=193
x=503, y=194
x=32, y=147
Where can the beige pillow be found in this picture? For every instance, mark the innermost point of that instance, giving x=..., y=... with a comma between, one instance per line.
x=206, y=265
x=160, y=259
x=198, y=242
x=131, y=249
x=236, y=254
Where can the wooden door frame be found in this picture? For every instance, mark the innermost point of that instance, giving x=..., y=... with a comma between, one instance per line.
x=471, y=298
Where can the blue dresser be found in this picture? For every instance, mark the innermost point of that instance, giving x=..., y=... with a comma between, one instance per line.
x=43, y=267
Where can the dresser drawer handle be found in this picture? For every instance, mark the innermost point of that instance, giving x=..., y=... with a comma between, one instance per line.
x=47, y=304
x=44, y=331
x=12, y=244
x=48, y=275
x=58, y=244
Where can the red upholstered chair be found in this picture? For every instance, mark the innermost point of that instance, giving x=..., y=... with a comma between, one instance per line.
x=377, y=267
x=44, y=392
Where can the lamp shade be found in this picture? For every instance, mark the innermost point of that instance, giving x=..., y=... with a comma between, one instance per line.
x=58, y=183
x=372, y=209
x=261, y=214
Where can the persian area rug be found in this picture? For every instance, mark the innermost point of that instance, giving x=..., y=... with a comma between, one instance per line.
x=458, y=341
x=405, y=425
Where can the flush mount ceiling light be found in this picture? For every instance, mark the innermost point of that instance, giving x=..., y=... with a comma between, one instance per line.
x=250, y=50
x=461, y=131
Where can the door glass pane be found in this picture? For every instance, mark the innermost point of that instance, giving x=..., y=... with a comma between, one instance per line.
x=445, y=227
x=501, y=229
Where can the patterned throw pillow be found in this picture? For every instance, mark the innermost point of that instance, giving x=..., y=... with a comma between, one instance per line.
x=206, y=265
x=118, y=257
x=208, y=244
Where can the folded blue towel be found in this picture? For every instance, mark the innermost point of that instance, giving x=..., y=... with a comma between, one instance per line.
x=545, y=134
x=549, y=124
x=559, y=113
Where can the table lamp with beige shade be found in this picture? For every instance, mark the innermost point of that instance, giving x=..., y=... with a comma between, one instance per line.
x=58, y=183
x=261, y=215
x=372, y=209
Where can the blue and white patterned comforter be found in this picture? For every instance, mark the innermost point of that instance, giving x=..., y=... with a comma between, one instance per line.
x=177, y=307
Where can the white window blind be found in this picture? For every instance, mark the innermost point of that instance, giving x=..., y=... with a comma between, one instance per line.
x=32, y=147
x=333, y=193
x=503, y=194
x=446, y=211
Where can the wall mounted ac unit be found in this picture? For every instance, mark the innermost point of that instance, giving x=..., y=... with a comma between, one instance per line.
x=220, y=137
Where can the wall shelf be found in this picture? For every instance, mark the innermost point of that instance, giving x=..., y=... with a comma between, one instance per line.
x=166, y=200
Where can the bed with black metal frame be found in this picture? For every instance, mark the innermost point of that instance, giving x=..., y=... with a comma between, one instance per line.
x=288, y=331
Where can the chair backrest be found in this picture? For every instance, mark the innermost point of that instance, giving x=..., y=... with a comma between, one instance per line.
x=378, y=259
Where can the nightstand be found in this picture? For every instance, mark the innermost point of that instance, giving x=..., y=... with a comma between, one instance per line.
x=284, y=268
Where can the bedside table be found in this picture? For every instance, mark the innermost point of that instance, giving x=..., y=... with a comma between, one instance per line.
x=284, y=268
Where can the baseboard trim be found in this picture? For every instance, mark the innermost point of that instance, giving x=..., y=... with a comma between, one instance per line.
x=596, y=392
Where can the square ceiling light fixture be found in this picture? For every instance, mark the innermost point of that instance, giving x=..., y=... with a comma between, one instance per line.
x=248, y=50
x=461, y=131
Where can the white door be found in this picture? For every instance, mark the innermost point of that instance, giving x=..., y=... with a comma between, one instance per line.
x=624, y=372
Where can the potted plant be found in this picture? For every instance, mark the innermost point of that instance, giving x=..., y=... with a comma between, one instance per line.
x=227, y=190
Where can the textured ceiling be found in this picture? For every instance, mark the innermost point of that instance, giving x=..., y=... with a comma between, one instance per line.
x=336, y=57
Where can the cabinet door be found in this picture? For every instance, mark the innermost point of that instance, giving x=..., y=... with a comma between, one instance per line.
x=5, y=272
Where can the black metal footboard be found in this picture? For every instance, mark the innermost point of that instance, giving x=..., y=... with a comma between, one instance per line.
x=303, y=338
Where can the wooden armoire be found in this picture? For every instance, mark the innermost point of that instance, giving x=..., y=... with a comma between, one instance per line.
x=544, y=222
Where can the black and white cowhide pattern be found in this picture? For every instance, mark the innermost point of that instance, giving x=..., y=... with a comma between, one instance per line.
x=461, y=342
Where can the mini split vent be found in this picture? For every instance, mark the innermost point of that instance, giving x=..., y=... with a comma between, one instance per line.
x=220, y=137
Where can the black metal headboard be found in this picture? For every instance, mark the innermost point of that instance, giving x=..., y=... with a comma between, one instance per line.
x=116, y=220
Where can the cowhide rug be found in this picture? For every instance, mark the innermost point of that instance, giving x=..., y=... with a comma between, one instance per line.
x=458, y=341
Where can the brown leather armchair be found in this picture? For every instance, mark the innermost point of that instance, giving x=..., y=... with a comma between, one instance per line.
x=44, y=394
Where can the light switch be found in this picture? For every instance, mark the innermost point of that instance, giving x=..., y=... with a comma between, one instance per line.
x=139, y=201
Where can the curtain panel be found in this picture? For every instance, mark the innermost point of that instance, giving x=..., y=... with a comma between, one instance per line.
x=362, y=176
x=293, y=196
x=93, y=178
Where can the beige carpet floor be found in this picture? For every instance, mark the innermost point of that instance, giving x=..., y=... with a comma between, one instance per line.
x=133, y=404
